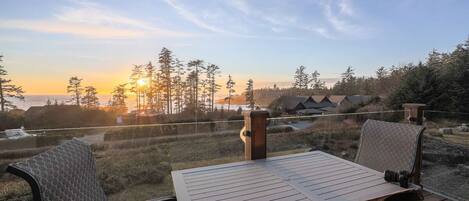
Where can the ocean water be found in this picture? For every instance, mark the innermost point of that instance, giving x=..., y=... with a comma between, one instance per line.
x=40, y=100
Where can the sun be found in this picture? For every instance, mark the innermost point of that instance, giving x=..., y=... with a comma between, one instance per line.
x=141, y=82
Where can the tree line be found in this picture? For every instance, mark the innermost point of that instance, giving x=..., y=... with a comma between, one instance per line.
x=171, y=86
x=441, y=81
x=174, y=86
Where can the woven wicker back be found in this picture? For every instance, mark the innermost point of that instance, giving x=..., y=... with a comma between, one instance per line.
x=389, y=146
x=66, y=172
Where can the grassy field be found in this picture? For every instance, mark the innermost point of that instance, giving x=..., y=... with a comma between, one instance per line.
x=138, y=167
x=135, y=164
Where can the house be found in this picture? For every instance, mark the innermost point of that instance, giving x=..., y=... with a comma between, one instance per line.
x=353, y=101
x=289, y=104
x=318, y=104
x=336, y=99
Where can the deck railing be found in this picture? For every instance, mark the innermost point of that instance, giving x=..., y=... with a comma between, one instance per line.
x=134, y=162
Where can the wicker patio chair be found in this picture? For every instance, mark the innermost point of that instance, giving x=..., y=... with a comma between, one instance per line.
x=390, y=146
x=66, y=172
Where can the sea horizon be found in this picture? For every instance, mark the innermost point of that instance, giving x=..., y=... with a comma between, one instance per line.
x=31, y=100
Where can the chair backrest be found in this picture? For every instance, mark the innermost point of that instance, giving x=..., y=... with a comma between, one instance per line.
x=389, y=146
x=66, y=172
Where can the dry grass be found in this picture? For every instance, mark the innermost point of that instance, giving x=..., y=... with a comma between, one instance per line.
x=139, y=168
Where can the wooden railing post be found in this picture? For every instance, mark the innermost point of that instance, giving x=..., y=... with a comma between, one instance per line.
x=413, y=113
x=254, y=134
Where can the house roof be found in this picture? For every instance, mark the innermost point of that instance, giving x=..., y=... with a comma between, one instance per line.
x=358, y=99
x=291, y=102
x=336, y=98
x=318, y=98
x=310, y=103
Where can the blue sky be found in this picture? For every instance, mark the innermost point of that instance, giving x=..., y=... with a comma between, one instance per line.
x=46, y=42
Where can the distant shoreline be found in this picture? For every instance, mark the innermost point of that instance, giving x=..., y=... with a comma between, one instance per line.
x=41, y=100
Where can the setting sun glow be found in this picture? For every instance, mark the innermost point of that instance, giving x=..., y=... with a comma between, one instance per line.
x=142, y=82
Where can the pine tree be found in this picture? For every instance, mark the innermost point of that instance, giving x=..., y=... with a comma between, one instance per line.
x=301, y=78
x=166, y=69
x=178, y=84
x=8, y=90
x=249, y=93
x=151, y=91
x=190, y=101
x=317, y=83
x=136, y=80
x=195, y=66
x=74, y=87
x=348, y=84
x=212, y=71
x=118, y=99
x=204, y=96
x=90, y=99
x=348, y=75
x=230, y=86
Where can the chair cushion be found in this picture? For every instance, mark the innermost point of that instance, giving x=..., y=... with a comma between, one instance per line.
x=66, y=172
x=388, y=146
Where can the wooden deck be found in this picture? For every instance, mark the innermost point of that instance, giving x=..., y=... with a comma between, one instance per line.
x=433, y=197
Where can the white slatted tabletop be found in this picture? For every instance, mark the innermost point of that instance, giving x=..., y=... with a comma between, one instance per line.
x=306, y=176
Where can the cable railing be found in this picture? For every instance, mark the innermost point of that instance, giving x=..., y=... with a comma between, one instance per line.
x=133, y=126
x=333, y=115
x=134, y=160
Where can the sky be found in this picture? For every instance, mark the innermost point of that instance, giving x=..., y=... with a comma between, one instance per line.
x=46, y=42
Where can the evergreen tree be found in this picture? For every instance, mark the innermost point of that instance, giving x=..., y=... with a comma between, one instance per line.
x=454, y=73
x=195, y=66
x=230, y=86
x=190, y=100
x=382, y=79
x=202, y=104
x=212, y=71
x=118, y=104
x=420, y=85
x=74, y=87
x=316, y=83
x=178, y=84
x=348, y=75
x=150, y=74
x=346, y=86
x=90, y=99
x=166, y=69
x=301, y=78
x=8, y=90
x=249, y=93
x=137, y=79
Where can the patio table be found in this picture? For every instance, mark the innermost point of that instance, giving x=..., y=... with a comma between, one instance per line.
x=306, y=176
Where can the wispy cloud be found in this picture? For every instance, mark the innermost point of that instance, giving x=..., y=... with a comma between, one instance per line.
x=201, y=21
x=91, y=20
x=339, y=15
x=186, y=14
x=78, y=29
x=346, y=7
x=279, y=22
